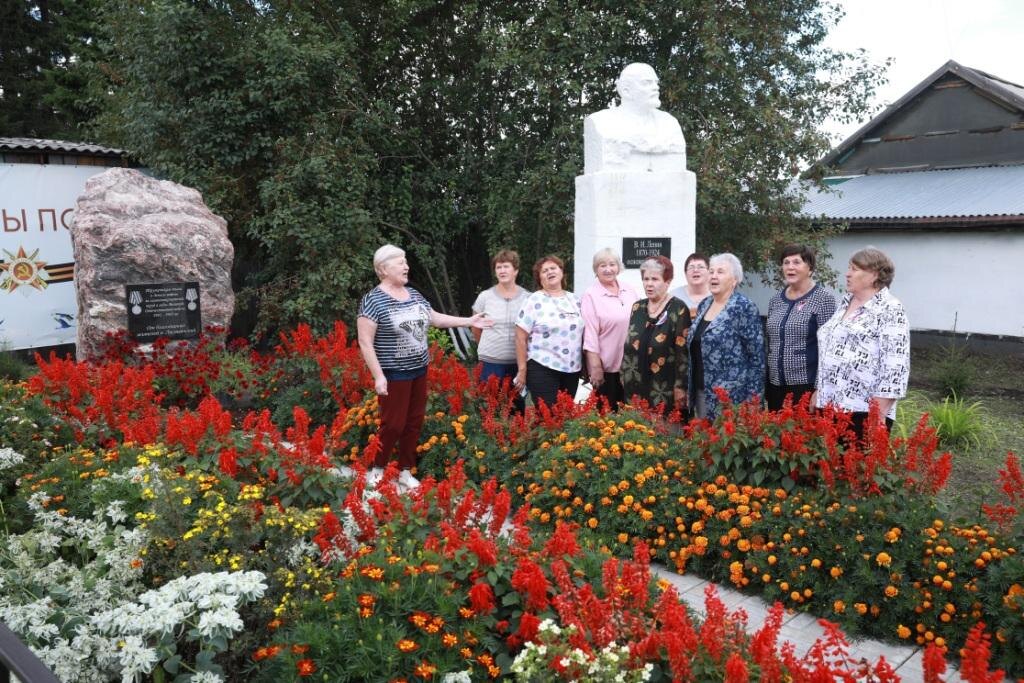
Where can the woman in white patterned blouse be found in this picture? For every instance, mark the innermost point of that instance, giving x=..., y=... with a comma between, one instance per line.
x=864, y=349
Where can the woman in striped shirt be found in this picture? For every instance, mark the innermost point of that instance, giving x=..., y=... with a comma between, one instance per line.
x=392, y=326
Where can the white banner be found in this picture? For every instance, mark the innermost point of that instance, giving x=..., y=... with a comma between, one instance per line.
x=37, y=288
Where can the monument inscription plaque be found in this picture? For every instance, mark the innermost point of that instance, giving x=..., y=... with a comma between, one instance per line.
x=635, y=250
x=165, y=309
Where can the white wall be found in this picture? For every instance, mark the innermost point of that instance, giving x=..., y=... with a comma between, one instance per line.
x=968, y=281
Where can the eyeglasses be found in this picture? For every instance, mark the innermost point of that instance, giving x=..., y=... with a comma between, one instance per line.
x=695, y=267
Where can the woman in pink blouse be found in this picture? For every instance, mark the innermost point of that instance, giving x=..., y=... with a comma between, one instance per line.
x=606, y=305
x=864, y=349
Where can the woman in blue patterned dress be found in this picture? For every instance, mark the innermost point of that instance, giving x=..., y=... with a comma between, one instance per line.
x=726, y=344
x=794, y=315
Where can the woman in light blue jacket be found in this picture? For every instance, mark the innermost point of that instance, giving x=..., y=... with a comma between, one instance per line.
x=726, y=342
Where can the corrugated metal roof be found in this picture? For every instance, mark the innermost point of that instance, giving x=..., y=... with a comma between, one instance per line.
x=61, y=146
x=954, y=193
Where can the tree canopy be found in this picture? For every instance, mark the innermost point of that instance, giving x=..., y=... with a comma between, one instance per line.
x=321, y=130
x=43, y=90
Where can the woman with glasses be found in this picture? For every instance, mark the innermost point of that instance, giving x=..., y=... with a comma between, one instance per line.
x=549, y=336
x=696, y=288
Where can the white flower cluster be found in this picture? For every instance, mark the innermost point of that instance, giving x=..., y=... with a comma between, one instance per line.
x=459, y=677
x=608, y=665
x=71, y=589
x=10, y=458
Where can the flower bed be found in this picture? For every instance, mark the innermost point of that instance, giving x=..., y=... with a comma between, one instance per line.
x=305, y=574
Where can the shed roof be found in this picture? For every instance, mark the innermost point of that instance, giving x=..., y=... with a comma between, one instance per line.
x=59, y=146
x=992, y=194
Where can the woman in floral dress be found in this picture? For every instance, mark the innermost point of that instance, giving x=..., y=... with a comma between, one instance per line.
x=654, y=357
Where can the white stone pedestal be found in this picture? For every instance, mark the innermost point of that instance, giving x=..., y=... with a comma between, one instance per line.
x=612, y=205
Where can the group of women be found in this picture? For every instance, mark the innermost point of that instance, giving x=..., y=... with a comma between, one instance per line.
x=675, y=348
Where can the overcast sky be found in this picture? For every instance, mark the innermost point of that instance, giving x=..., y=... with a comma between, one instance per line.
x=922, y=35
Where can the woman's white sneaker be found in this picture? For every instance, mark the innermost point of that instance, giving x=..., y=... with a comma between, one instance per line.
x=408, y=481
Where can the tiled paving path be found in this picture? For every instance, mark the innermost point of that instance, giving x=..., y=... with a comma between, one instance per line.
x=799, y=628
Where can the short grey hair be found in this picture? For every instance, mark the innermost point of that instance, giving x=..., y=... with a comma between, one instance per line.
x=608, y=254
x=385, y=254
x=734, y=264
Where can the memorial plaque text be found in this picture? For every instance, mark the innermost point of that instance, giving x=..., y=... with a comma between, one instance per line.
x=635, y=250
x=166, y=309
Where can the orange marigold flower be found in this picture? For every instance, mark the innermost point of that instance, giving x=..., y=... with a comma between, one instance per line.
x=372, y=572
x=300, y=649
x=406, y=645
x=305, y=667
x=861, y=608
x=891, y=591
x=902, y=631
x=883, y=559
x=425, y=669
x=449, y=640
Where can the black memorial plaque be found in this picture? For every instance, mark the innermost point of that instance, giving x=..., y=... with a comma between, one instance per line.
x=165, y=309
x=635, y=250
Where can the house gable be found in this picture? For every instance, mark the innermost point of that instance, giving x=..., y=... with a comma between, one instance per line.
x=957, y=117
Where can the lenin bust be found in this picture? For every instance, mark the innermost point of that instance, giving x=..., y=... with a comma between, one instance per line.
x=635, y=136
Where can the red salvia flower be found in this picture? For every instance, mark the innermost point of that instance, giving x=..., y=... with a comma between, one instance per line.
x=481, y=598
